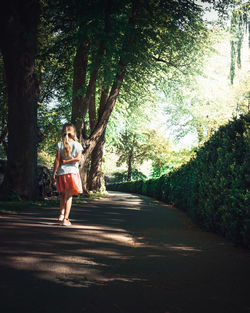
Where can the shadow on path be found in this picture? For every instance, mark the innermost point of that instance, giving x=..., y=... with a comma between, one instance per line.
x=126, y=253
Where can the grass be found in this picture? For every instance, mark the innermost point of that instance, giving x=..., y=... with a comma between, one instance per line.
x=15, y=207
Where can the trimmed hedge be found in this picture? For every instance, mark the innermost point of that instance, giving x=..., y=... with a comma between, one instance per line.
x=214, y=187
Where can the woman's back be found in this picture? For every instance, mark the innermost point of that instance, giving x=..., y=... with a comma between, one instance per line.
x=68, y=168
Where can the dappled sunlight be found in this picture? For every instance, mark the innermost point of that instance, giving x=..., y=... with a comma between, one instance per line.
x=181, y=248
x=125, y=279
x=154, y=100
x=131, y=208
x=98, y=228
x=99, y=252
x=91, y=250
x=145, y=254
x=123, y=239
x=76, y=270
x=164, y=249
x=76, y=259
x=77, y=264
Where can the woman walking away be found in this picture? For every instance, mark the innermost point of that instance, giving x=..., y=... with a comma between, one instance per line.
x=66, y=165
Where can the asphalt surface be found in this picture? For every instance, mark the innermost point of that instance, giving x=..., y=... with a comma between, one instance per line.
x=122, y=254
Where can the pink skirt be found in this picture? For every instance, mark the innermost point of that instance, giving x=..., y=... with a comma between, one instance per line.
x=69, y=182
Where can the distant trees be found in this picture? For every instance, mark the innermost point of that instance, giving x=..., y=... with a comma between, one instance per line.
x=132, y=149
x=202, y=101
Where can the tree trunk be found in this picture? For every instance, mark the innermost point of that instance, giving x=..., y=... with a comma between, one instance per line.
x=91, y=87
x=130, y=158
x=92, y=112
x=107, y=107
x=4, y=110
x=97, y=60
x=90, y=144
x=84, y=165
x=96, y=176
x=79, y=81
x=116, y=87
x=18, y=41
x=200, y=134
x=4, y=128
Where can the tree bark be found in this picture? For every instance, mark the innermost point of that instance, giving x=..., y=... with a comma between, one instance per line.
x=130, y=158
x=79, y=81
x=91, y=88
x=96, y=176
x=4, y=112
x=108, y=107
x=92, y=112
x=84, y=166
x=19, y=21
x=4, y=128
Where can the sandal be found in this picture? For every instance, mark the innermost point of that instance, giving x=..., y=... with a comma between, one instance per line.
x=66, y=222
x=61, y=218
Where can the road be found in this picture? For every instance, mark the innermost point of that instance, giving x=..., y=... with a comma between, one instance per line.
x=123, y=254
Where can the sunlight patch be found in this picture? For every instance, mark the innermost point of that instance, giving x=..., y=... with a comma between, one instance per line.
x=181, y=248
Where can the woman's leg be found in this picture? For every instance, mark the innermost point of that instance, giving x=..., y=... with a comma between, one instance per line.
x=68, y=201
x=62, y=203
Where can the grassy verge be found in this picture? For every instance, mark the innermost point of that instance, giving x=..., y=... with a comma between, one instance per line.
x=15, y=207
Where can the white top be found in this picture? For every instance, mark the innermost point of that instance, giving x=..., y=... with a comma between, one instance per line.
x=69, y=168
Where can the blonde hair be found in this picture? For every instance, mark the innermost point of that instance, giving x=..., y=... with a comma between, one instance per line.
x=68, y=130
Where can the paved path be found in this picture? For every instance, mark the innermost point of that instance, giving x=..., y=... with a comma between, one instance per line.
x=123, y=254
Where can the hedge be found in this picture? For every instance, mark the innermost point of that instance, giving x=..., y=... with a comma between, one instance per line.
x=212, y=188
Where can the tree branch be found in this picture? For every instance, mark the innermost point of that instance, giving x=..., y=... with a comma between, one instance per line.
x=169, y=63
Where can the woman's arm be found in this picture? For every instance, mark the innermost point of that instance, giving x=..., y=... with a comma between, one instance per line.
x=56, y=165
x=73, y=160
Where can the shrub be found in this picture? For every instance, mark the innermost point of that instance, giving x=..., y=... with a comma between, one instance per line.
x=213, y=188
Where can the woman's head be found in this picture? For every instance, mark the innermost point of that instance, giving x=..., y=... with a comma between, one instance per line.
x=68, y=132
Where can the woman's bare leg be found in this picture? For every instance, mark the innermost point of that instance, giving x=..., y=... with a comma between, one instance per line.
x=62, y=203
x=68, y=201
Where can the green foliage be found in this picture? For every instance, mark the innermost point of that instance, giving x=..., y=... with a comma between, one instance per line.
x=213, y=188
x=168, y=35
x=132, y=149
x=199, y=103
x=239, y=26
x=120, y=176
x=166, y=161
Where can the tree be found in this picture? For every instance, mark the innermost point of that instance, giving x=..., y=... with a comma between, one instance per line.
x=132, y=150
x=3, y=110
x=122, y=176
x=111, y=43
x=18, y=30
x=201, y=102
x=170, y=55
x=239, y=26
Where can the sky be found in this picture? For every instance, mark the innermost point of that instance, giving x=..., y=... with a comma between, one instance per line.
x=210, y=14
